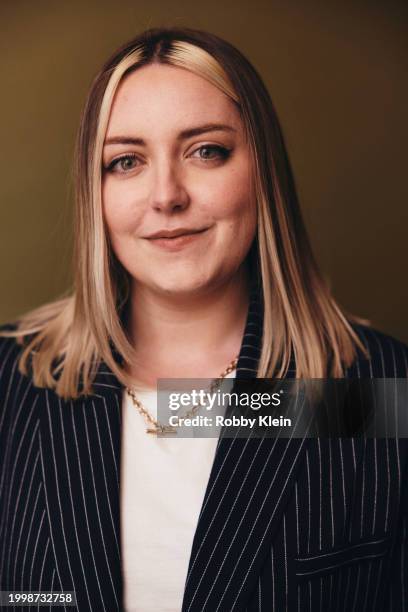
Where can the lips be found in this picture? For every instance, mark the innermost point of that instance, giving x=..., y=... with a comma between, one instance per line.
x=176, y=242
x=175, y=233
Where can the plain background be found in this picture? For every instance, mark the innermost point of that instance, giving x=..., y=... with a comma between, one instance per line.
x=336, y=72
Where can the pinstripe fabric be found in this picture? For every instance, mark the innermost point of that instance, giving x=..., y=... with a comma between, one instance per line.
x=299, y=525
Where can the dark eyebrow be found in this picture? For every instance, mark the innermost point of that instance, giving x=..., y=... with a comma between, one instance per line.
x=189, y=133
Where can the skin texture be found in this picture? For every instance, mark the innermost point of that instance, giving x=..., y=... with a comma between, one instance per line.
x=156, y=177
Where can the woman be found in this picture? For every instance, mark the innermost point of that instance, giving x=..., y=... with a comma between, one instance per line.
x=191, y=259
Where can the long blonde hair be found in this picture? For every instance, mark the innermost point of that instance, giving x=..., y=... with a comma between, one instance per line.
x=66, y=340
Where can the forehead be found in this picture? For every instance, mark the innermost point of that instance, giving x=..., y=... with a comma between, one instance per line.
x=160, y=97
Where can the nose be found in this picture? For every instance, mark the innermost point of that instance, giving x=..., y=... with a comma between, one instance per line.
x=168, y=192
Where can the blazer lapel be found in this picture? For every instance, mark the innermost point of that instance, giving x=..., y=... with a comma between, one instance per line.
x=80, y=458
x=248, y=488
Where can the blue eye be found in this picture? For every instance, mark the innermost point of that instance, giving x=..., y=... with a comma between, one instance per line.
x=122, y=164
x=129, y=161
x=212, y=152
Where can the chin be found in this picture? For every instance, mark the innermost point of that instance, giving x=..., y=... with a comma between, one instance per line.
x=183, y=289
x=181, y=285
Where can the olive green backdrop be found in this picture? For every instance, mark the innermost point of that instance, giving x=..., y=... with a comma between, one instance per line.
x=337, y=75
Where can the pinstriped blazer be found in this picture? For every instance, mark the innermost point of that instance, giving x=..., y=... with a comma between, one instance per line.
x=285, y=525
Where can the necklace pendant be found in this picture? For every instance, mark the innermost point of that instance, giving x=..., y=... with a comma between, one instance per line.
x=162, y=430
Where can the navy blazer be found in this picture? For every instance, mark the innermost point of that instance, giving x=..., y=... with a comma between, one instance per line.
x=286, y=524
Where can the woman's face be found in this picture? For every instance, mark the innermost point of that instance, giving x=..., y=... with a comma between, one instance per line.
x=176, y=163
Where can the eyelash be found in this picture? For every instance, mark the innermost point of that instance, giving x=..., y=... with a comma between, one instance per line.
x=223, y=154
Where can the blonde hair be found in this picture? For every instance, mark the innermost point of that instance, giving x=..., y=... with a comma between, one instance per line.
x=72, y=335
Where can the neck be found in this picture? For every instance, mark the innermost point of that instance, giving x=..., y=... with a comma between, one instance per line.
x=187, y=336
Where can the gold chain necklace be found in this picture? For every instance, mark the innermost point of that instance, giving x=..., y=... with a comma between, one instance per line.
x=159, y=428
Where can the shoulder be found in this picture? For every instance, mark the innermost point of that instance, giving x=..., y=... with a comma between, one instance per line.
x=10, y=352
x=10, y=376
x=387, y=356
x=8, y=345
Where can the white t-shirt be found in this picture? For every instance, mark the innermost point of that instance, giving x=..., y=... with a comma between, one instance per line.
x=163, y=481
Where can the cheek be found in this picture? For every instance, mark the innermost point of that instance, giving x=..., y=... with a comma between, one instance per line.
x=233, y=204
x=121, y=212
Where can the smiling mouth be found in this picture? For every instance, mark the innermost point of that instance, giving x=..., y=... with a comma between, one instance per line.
x=175, y=233
x=176, y=242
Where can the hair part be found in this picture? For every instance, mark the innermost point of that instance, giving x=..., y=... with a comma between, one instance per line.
x=72, y=335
